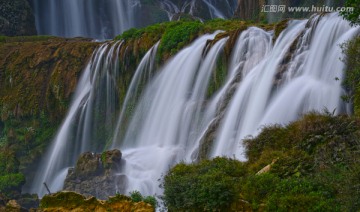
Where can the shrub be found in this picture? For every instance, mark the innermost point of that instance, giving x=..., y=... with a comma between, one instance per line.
x=354, y=16
x=136, y=196
x=257, y=188
x=209, y=185
x=300, y=195
x=11, y=182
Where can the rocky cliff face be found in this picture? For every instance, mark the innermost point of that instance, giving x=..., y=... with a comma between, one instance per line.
x=96, y=175
x=16, y=18
x=37, y=78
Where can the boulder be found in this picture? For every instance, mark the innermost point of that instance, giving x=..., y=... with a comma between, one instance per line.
x=28, y=201
x=96, y=175
x=12, y=205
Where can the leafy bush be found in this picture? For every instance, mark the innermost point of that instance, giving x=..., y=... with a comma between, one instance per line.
x=300, y=195
x=257, y=188
x=209, y=185
x=11, y=182
x=151, y=200
x=354, y=16
x=136, y=196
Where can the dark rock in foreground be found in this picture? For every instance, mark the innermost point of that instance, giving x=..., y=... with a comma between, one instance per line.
x=96, y=175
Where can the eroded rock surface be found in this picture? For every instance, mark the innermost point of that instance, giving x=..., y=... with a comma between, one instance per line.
x=96, y=175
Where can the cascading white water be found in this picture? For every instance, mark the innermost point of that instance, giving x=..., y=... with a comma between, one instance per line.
x=165, y=116
x=93, y=107
x=214, y=8
x=96, y=18
x=311, y=87
x=143, y=73
x=168, y=116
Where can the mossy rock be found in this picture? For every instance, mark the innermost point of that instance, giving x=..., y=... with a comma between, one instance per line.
x=71, y=201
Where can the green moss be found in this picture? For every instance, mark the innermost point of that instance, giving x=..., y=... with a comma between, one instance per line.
x=69, y=201
x=178, y=36
x=11, y=180
x=31, y=109
x=279, y=27
x=351, y=51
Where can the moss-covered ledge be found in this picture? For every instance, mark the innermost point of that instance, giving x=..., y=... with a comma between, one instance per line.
x=40, y=73
x=175, y=35
x=71, y=201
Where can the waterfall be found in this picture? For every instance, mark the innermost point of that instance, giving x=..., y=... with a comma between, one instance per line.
x=89, y=120
x=213, y=8
x=166, y=114
x=143, y=73
x=165, y=123
x=95, y=18
x=309, y=82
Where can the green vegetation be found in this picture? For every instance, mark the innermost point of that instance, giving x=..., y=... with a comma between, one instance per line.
x=314, y=167
x=11, y=180
x=37, y=78
x=71, y=201
x=177, y=34
x=177, y=37
x=352, y=80
x=209, y=185
x=354, y=16
x=136, y=196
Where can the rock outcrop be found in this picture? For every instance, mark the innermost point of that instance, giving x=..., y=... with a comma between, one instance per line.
x=96, y=175
x=70, y=201
x=16, y=18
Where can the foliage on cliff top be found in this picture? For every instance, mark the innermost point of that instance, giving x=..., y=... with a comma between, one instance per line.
x=352, y=16
x=176, y=34
x=314, y=167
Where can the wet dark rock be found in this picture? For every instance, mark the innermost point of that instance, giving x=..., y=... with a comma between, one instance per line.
x=16, y=18
x=96, y=175
x=28, y=201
